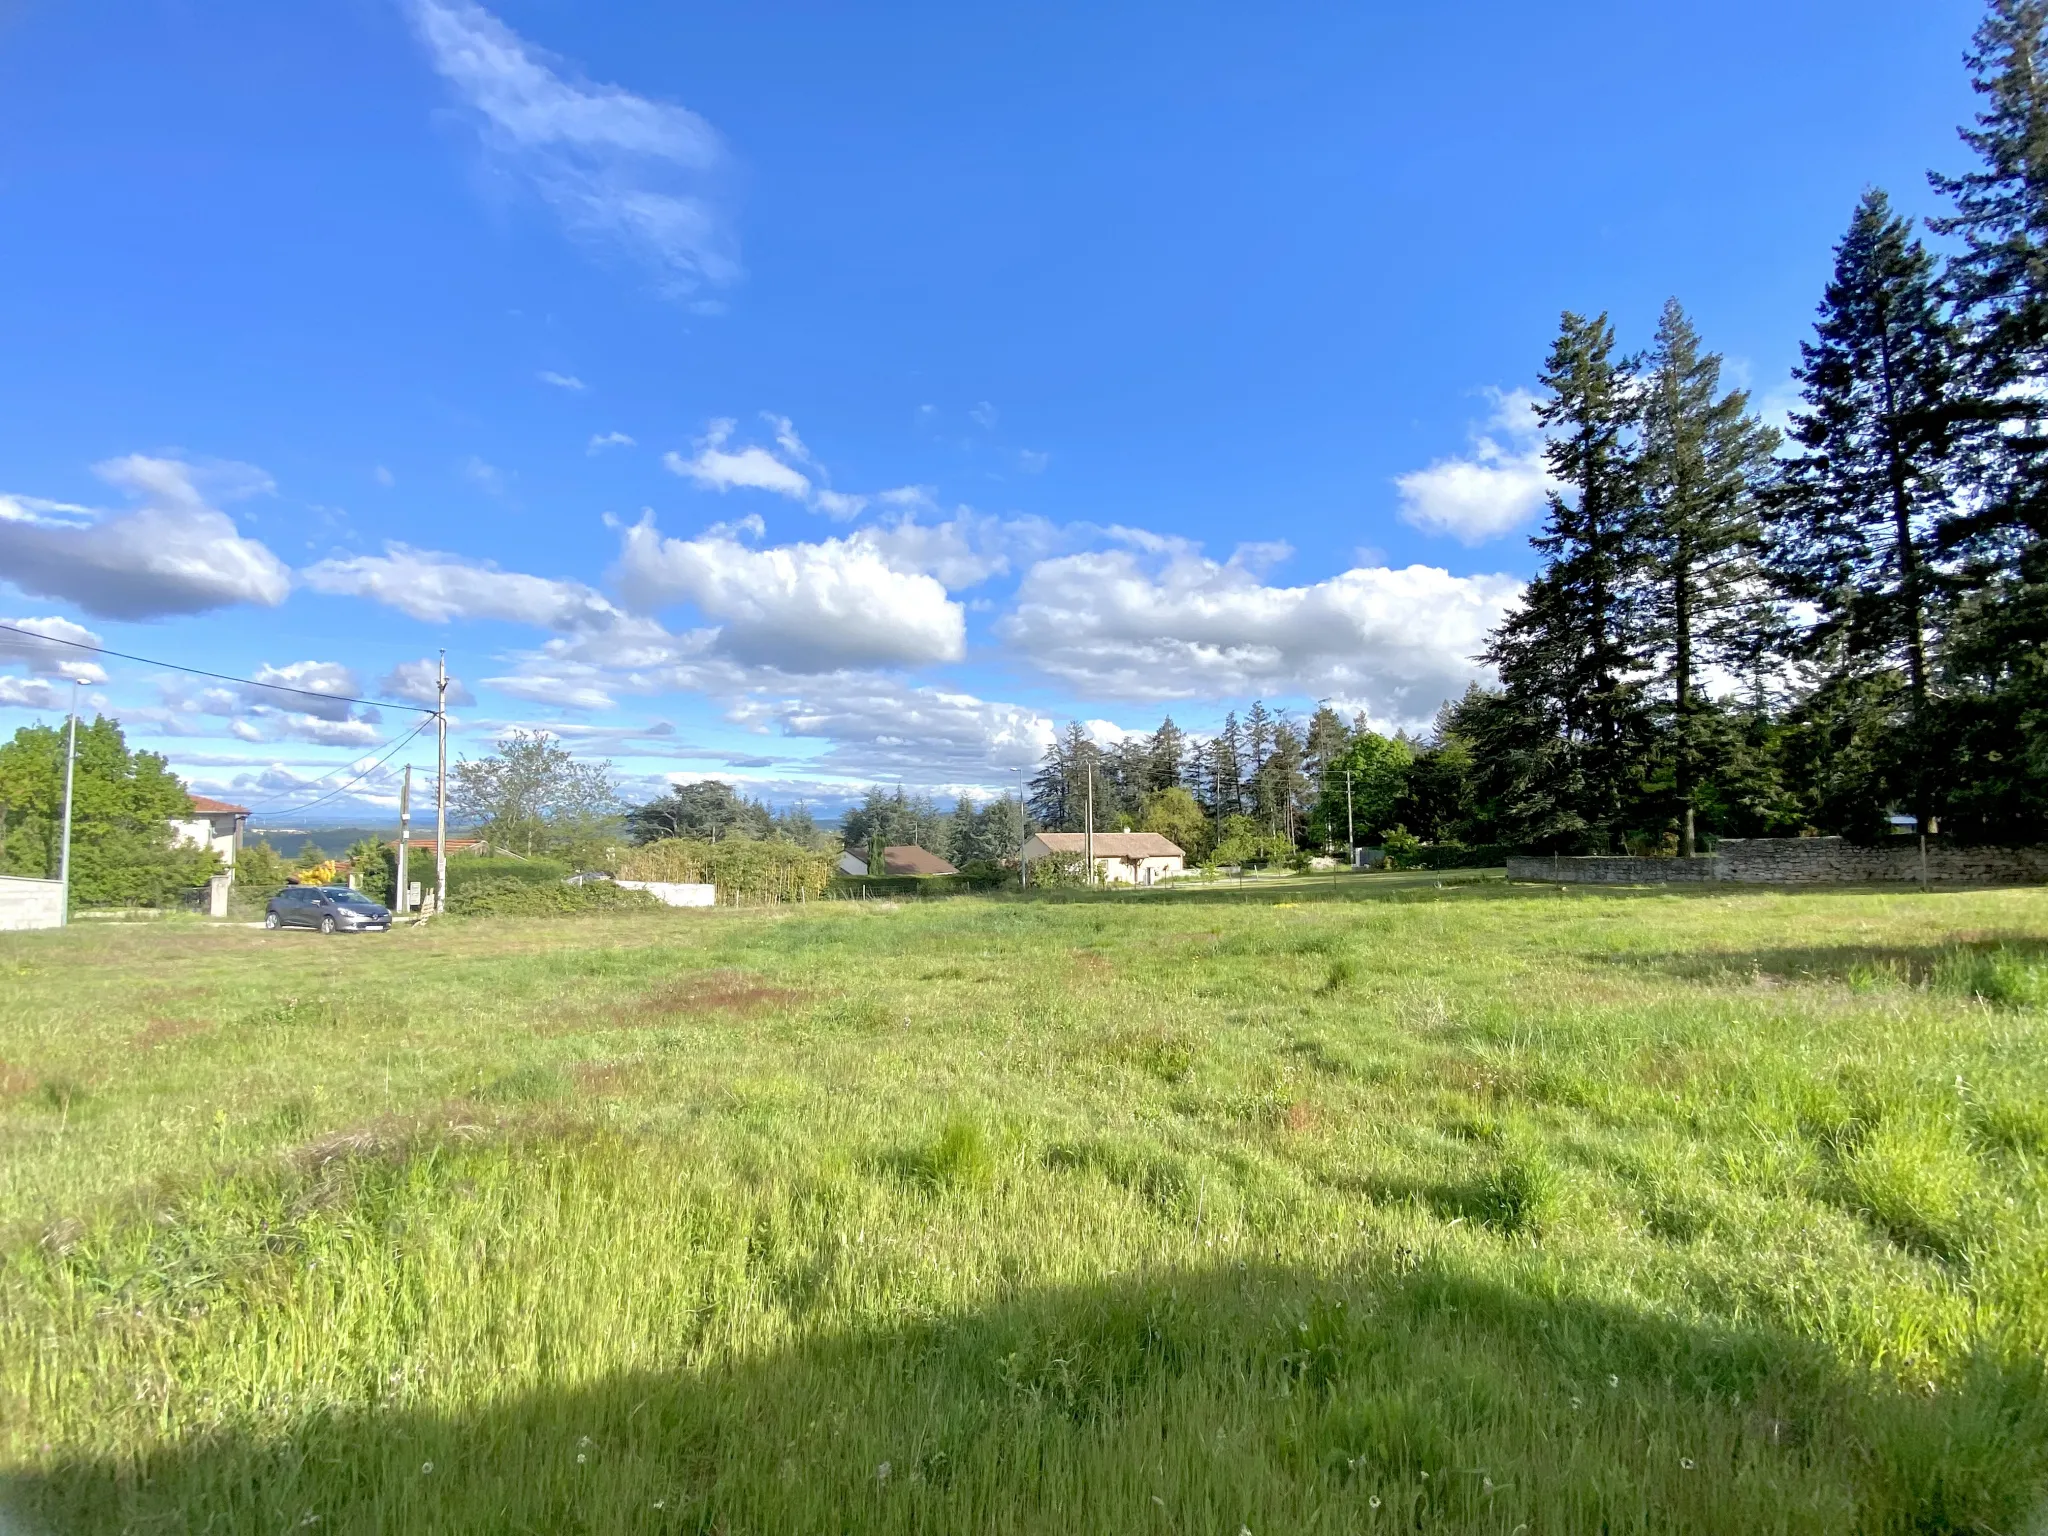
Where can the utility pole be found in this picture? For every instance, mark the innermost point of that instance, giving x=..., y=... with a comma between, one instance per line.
x=441, y=793
x=404, y=840
x=70, y=767
x=1023, y=842
x=1091, y=821
x=1350, y=824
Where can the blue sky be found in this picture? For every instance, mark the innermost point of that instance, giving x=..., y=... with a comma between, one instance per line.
x=816, y=396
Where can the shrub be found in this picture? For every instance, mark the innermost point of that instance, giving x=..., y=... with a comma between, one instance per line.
x=1059, y=871
x=528, y=898
x=1404, y=849
x=743, y=869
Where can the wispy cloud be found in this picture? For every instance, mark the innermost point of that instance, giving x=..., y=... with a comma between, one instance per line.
x=615, y=166
x=599, y=441
x=561, y=380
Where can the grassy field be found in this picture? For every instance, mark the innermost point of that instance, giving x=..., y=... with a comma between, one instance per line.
x=1370, y=1204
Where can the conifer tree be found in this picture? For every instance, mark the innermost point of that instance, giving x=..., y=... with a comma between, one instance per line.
x=1165, y=757
x=1567, y=655
x=1995, y=725
x=1852, y=518
x=1703, y=458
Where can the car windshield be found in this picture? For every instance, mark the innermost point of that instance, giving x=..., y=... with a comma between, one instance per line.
x=352, y=898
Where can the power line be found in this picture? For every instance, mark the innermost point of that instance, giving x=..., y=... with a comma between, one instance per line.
x=246, y=682
x=282, y=805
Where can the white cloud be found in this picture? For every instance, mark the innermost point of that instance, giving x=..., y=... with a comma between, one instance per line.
x=59, y=661
x=615, y=166
x=1172, y=623
x=435, y=588
x=752, y=468
x=797, y=607
x=716, y=467
x=303, y=677
x=599, y=441
x=176, y=554
x=415, y=682
x=29, y=693
x=567, y=381
x=963, y=551
x=383, y=477
x=984, y=414
x=1495, y=490
x=879, y=729
x=1031, y=461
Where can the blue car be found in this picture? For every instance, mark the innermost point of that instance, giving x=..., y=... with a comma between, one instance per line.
x=330, y=908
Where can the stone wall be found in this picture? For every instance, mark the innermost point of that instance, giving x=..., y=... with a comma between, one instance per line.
x=30, y=903
x=1799, y=861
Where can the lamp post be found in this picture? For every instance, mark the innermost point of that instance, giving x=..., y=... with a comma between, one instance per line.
x=70, y=768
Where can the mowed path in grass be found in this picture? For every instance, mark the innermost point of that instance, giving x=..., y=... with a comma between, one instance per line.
x=1357, y=1206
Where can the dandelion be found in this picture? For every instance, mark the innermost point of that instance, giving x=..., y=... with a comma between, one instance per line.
x=426, y=1469
x=1373, y=1502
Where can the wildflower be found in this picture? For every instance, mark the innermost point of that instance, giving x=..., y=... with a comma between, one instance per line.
x=1685, y=1462
x=1373, y=1502
x=1578, y=1403
x=1159, y=1501
x=581, y=1458
x=1614, y=1381
x=426, y=1469
x=1486, y=1485
x=661, y=1503
x=882, y=1473
x=583, y=1444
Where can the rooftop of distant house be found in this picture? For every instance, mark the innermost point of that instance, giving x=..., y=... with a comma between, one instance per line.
x=202, y=805
x=1112, y=845
x=909, y=859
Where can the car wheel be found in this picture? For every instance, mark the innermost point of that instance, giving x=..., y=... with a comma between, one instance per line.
x=270, y=920
x=327, y=925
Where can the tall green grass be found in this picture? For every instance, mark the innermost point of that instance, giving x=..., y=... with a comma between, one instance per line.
x=1465, y=1209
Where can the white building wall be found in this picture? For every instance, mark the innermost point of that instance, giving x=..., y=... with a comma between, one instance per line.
x=30, y=903
x=675, y=893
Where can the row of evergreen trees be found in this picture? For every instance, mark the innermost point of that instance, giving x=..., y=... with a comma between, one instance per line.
x=1733, y=634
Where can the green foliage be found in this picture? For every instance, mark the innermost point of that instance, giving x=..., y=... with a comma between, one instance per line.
x=469, y=870
x=1376, y=770
x=533, y=796
x=259, y=870
x=1403, y=848
x=1175, y=814
x=499, y=896
x=742, y=869
x=1059, y=871
x=1245, y=843
x=711, y=810
x=374, y=865
x=122, y=854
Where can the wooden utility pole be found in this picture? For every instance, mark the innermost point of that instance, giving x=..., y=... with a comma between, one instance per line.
x=404, y=840
x=441, y=792
x=70, y=766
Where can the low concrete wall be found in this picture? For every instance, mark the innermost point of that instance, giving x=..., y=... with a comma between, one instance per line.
x=1799, y=861
x=30, y=903
x=675, y=893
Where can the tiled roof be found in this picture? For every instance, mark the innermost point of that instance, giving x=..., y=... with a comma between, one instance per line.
x=1112, y=845
x=202, y=806
x=908, y=859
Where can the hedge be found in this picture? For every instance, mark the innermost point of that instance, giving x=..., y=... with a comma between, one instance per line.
x=743, y=869
x=500, y=897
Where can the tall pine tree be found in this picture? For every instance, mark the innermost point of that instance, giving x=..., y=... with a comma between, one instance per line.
x=1852, y=518
x=1703, y=458
x=1567, y=657
x=1995, y=723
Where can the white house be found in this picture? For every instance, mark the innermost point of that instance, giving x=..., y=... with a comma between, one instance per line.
x=1121, y=858
x=216, y=825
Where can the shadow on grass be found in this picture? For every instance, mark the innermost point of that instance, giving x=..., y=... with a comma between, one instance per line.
x=2010, y=969
x=1408, y=1396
